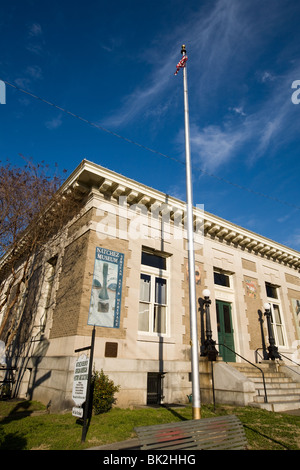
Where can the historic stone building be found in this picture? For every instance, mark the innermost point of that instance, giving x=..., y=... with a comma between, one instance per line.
x=122, y=265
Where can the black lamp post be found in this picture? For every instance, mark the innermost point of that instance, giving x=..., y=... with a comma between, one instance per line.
x=264, y=349
x=273, y=350
x=209, y=344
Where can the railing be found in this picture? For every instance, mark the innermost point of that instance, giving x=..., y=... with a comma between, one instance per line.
x=251, y=363
x=289, y=359
x=257, y=354
x=7, y=369
x=6, y=383
x=295, y=371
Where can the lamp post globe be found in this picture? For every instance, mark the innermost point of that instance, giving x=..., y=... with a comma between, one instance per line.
x=206, y=293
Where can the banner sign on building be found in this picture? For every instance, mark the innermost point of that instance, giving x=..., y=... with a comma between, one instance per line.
x=80, y=384
x=105, y=304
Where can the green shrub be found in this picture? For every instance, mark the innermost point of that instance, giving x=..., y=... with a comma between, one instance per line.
x=104, y=390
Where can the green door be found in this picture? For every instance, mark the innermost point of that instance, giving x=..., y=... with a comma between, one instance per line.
x=225, y=331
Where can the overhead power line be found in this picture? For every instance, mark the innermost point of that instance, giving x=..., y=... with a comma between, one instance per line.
x=126, y=139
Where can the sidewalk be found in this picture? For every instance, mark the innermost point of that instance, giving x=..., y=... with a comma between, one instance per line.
x=292, y=412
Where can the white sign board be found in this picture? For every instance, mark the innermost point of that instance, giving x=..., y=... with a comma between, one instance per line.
x=80, y=380
x=77, y=411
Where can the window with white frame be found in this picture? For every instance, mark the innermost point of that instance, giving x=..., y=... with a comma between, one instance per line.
x=153, y=302
x=276, y=317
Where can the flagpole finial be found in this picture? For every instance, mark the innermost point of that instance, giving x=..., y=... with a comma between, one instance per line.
x=183, y=49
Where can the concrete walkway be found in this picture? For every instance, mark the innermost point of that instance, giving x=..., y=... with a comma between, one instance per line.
x=292, y=412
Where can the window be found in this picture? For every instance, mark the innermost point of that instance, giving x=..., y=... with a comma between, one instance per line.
x=156, y=261
x=221, y=279
x=271, y=291
x=276, y=319
x=153, y=294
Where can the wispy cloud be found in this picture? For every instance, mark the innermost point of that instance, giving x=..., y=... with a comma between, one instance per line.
x=35, y=29
x=219, y=39
x=213, y=146
x=238, y=110
x=112, y=43
x=267, y=76
x=35, y=34
x=22, y=82
x=254, y=134
x=293, y=240
x=36, y=49
x=30, y=74
x=212, y=41
x=54, y=123
x=138, y=102
x=34, y=71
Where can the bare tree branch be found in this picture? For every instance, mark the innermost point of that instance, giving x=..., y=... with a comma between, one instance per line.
x=33, y=211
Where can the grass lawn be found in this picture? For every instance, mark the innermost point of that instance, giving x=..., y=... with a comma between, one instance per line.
x=25, y=425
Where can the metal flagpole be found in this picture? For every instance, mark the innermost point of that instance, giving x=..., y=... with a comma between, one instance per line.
x=191, y=256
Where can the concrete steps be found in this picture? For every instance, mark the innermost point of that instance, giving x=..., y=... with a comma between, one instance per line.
x=282, y=392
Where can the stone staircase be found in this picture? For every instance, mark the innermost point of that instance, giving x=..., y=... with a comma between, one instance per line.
x=283, y=393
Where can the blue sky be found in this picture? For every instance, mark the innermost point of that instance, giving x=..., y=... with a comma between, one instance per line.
x=113, y=64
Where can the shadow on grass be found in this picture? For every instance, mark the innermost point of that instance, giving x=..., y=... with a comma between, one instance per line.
x=285, y=447
x=21, y=410
x=170, y=408
x=12, y=441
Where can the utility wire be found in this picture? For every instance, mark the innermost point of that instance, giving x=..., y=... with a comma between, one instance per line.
x=90, y=122
x=126, y=139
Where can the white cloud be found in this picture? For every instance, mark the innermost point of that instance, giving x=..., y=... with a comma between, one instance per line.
x=36, y=49
x=34, y=71
x=142, y=97
x=294, y=240
x=218, y=44
x=214, y=146
x=35, y=34
x=267, y=77
x=238, y=110
x=22, y=82
x=210, y=41
x=54, y=123
x=35, y=29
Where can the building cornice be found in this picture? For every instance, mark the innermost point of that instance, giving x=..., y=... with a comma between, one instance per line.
x=91, y=176
x=114, y=185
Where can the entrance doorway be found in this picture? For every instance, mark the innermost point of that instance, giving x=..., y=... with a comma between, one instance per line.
x=225, y=330
x=154, y=388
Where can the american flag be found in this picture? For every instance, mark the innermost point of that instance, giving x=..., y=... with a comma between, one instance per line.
x=181, y=64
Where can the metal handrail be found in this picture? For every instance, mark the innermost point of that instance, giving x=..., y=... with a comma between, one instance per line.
x=256, y=353
x=263, y=375
x=295, y=371
x=289, y=359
